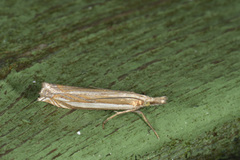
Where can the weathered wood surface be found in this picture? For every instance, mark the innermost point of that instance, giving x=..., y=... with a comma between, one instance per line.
x=186, y=50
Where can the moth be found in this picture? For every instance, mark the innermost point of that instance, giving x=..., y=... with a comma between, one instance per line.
x=98, y=99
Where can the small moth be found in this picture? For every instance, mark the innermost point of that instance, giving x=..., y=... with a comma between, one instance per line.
x=104, y=99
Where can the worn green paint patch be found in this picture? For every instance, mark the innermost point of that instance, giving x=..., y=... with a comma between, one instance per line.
x=187, y=51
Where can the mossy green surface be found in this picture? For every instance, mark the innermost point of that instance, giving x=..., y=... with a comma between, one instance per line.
x=185, y=50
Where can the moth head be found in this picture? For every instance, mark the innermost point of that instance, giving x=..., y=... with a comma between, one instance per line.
x=46, y=92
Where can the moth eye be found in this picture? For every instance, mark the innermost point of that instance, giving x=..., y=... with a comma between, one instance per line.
x=46, y=93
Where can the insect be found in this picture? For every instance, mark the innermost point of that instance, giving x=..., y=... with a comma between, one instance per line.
x=104, y=99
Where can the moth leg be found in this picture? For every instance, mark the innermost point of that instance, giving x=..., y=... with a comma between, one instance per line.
x=146, y=120
x=117, y=113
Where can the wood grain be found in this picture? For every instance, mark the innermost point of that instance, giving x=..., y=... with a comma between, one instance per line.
x=186, y=50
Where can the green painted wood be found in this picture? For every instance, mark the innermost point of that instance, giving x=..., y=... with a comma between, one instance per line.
x=186, y=50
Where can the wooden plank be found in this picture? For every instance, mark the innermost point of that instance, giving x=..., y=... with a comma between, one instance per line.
x=186, y=50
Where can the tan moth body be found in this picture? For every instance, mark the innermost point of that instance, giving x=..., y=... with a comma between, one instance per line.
x=104, y=99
